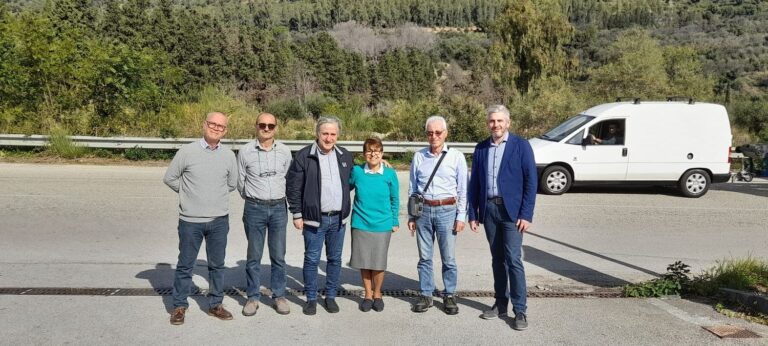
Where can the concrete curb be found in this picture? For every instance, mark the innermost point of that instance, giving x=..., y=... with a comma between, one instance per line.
x=755, y=301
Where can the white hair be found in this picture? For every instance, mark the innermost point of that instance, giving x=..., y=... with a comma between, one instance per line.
x=327, y=120
x=436, y=118
x=497, y=109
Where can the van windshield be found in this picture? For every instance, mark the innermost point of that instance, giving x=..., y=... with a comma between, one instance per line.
x=566, y=128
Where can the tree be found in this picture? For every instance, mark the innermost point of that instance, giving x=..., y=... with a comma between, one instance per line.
x=635, y=67
x=686, y=73
x=528, y=43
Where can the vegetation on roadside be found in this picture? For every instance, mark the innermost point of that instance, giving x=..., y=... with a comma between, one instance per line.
x=747, y=274
x=155, y=67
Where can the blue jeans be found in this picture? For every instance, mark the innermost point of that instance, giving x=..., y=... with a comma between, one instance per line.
x=265, y=221
x=506, y=258
x=437, y=222
x=330, y=232
x=191, y=235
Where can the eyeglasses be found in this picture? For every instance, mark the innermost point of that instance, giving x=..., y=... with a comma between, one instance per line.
x=214, y=126
x=434, y=133
x=374, y=152
x=264, y=126
x=267, y=174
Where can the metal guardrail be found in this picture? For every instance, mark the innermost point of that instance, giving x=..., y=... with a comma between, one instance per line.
x=176, y=143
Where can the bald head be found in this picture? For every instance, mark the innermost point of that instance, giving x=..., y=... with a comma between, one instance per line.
x=213, y=116
x=266, y=117
x=215, y=127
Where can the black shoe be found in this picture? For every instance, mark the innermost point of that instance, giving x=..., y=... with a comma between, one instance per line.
x=366, y=305
x=449, y=304
x=423, y=304
x=331, y=306
x=521, y=321
x=493, y=312
x=378, y=304
x=311, y=307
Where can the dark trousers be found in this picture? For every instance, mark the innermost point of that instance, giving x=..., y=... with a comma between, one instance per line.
x=506, y=258
x=191, y=235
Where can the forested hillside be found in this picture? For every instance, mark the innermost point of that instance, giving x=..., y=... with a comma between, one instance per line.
x=154, y=67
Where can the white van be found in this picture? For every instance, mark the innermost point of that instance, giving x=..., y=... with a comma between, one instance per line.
x=652, y=143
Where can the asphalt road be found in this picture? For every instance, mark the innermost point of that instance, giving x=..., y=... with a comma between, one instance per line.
x=108, y=226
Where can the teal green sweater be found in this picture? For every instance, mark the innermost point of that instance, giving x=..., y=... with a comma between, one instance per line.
x=377, y=200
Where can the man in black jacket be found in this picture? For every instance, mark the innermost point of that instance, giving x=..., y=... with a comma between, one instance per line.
x=317, y=189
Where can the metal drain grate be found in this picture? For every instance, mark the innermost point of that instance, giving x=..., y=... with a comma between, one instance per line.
x=729, y=331
x=236, y=291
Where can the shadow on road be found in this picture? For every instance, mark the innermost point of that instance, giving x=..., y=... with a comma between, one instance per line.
x=575, y=271
x=570, y=269
x=627, y=190
x=161, y=280
x=755, y=189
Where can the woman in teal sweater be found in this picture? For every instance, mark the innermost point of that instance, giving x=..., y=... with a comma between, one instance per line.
x=374, y=219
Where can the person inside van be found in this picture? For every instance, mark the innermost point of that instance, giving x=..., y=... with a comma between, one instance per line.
x=611, y=138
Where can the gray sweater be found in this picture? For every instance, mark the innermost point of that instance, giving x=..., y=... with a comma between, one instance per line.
x=203, y=178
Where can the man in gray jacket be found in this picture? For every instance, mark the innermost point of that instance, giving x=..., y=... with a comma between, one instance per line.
x=203, y=173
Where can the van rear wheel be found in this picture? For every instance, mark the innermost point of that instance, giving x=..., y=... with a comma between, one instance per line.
x=694, y=183
x=555, y=180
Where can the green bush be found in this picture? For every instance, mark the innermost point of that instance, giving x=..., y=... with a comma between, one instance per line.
x=674, y=281
x=62, y=146
x=749, y=274
x=136, y=154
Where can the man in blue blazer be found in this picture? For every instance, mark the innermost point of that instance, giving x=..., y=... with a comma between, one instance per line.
x=501, y=195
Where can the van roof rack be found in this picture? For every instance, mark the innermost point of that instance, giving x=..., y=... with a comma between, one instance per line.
x=635, y=100
x=681, y=98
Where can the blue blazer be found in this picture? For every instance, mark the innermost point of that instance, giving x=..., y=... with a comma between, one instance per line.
x=517, y=180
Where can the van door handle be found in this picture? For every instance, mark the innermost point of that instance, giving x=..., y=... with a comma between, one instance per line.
x=624, y=152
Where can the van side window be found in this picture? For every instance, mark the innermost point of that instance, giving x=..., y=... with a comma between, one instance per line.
x=577, y=138
x=608, y=132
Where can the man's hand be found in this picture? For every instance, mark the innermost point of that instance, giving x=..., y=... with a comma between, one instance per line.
x=523, y=225
x=298, y=223
x=395, y=229
x=473, y=225
x=458, y=226
x=412, y=227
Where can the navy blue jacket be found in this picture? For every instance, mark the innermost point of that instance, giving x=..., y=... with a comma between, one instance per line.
x=302, y=187
x=517, y=180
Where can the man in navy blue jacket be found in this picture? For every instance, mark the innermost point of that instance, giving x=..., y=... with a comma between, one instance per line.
x=502, y=194
x=317, y=189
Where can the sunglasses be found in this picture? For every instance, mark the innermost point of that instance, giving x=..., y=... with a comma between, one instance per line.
x=434, y=133
x=264, y=126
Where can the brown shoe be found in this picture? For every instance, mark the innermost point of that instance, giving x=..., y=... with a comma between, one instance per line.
x=219, y=312
x=281, y=306
x=177, y=317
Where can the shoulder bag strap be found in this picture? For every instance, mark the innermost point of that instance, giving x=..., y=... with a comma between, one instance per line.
x=434, y=171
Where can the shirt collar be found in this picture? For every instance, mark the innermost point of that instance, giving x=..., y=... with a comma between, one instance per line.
x=429, y=150
x=205, y=145
x=503, y=138
x=369, y=171
x=257, y=145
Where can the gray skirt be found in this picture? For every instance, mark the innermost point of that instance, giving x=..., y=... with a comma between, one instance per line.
x=369, y=250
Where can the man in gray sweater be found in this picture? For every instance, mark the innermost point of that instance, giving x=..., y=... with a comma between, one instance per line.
x=203, y=173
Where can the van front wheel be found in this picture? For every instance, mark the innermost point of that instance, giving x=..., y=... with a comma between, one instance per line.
x=555, y=180
x=694, y=183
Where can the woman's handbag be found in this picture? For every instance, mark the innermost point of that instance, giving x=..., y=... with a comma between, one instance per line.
x=416, y=199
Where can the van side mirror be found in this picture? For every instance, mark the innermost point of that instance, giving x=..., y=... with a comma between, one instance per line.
x=586, y=141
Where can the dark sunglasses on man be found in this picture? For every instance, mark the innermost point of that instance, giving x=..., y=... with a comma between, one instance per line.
x=264, y=126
